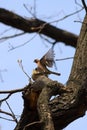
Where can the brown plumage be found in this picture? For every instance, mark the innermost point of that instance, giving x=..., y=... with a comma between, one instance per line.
x=46, y=61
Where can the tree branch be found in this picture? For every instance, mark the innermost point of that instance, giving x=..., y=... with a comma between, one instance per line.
x=85, y=6
x=12, y=91
x=39, y=26
x=30, y=96
x=44, y=110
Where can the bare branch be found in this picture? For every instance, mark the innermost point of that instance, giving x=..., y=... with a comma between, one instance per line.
x=35, y=7
x=6, y=30
x=6, y=119
x=9, y=92
x=7, y=113
x=29, y=10
x=13, y=115
x=33, y=123
x=11, y=36
x=39, y=26
x=12, y=48
x=4, y=99
x=12, y=91
x=64, y=58
x=1, y=77
x=21, y=66
x=85, y=6
x=78, y=3
x=71, y=14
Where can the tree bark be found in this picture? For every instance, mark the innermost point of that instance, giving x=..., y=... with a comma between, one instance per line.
x=73, y=105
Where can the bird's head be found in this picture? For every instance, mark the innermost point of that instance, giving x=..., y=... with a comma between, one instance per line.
x=36, y=60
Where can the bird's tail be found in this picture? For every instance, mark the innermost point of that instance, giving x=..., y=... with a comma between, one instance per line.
x=55, y=73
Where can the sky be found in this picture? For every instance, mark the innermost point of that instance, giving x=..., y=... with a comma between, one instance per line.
x=12, y=75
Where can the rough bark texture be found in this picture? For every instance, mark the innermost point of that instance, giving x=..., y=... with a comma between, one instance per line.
x=37, y=113
x=73, y=105
x=39, y=26
x=71, y=102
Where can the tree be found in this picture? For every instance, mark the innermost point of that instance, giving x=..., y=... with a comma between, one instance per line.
x=70, y=103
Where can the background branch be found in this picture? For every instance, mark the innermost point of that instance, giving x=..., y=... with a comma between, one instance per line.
x=34, y=25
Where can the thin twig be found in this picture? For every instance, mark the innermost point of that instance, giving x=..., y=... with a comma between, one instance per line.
x=64, y=59
x=21, y=66
x=12, y=91
x=12, y=36
x=35, y=8
x=6, y=119
x=4, y=99
x=32, y=14
x=9, y=92
x=1, y=77
x=78, y=3
x=46, y=39
x=23, y=43
x=13, y=115
x=67, y=16
x=4, y=112
x=33, y=123
x=6, y=30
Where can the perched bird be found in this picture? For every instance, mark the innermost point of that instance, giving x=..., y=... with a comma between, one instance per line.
x=46, y=61
x=38, y=72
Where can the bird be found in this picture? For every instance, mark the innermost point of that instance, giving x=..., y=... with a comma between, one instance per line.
x=46, y=61
x=37, y=72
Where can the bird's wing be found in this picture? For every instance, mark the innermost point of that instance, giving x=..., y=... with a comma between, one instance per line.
x=48, y=58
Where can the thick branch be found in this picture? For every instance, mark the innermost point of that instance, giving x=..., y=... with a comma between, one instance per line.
x=44, y=110
x=50, y=89
x=30, y=117
x=39, y=26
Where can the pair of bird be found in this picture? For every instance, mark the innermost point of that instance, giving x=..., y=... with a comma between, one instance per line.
x=46, y=61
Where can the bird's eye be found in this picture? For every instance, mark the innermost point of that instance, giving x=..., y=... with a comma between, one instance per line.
x=35, y=60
